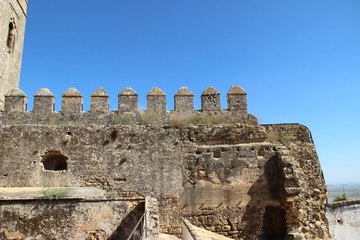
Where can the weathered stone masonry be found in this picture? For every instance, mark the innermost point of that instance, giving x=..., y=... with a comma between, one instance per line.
x=12, y=31
x=239, y=179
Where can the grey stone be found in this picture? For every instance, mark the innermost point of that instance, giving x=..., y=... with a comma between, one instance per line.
x=210, y=100
x=44, y=102
x=72, y=101
x=128, y=100
x=237, y=102
x=156, y=100
x=184, y=100
x=99, y=101
x=15, y=101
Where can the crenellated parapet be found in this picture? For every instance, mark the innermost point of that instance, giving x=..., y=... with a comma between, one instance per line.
x=156, y=100
x=72, y=101
x=184, y=100
x=237, y=100
x=210, y=100
x=99, y=101
x=44, y=101
x=128, y=100
x=15, y=101
x=72, y=105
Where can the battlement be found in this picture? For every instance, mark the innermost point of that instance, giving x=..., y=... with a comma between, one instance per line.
x=43, y=112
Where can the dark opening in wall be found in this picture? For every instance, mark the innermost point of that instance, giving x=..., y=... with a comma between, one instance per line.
x=11, y=36
x=55, y=161
x=217, y=154
x=261, y=152
x=274, y=223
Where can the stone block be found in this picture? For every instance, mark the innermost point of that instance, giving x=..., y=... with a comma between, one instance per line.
x=184, y=100
x=99, y=101
x=156, y=100
x=210, y=100
x=128, y=100
x=44, y=101
x=237, y=101
x=15, y=101
x=72, y=101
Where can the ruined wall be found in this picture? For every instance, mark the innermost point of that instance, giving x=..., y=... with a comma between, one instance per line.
x=219, y=169
x=302, y=185
x=117, y=157
x=223, y=178
x=12, y=29
x=67, y=219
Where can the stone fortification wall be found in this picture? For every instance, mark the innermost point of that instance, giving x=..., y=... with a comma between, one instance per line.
x=12, y=29
x=239, y=180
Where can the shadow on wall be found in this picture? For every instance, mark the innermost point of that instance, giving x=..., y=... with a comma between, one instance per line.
x=126, y=226
x=261, y=218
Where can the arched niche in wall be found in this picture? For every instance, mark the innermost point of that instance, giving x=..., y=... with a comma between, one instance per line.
x=11, y=35
x=55, y=161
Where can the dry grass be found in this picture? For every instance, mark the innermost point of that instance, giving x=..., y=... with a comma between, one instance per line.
x=123, y=120
x=277, y=137
x=152, y=118
x=181, y=121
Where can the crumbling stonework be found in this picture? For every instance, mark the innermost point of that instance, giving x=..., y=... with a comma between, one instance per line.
x=210, y=100
x=241, y=180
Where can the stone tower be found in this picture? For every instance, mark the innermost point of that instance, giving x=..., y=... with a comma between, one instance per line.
x=12, y=29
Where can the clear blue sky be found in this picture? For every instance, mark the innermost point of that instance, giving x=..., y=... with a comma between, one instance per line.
x=299, y=61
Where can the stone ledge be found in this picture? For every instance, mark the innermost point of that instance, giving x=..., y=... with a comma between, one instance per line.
x=84, y=194
x=342, y=203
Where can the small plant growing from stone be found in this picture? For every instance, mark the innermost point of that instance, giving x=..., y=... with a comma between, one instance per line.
x=111, y=194
x=281, y=140
x=286, y=139
x=55, y=193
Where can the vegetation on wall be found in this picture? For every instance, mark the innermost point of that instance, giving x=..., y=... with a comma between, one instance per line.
x=55, y=193
x=342, y=198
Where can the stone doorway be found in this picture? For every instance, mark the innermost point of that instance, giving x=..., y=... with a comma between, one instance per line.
x=274, y=227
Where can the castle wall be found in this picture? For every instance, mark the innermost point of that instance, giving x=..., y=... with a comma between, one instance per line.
x=225, y=178
x=12, y=28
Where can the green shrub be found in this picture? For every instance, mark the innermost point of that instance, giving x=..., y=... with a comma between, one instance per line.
x=342, y=198
x=56, y=193
x=286, y=139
